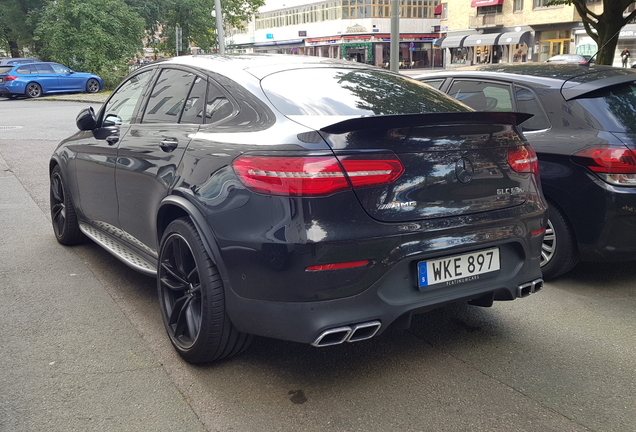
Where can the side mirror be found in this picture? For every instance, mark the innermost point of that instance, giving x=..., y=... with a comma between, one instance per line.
x=86, y=119
x=111, y=120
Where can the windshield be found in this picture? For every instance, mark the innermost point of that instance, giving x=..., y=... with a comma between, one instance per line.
x=611, y=108
x=353, y=92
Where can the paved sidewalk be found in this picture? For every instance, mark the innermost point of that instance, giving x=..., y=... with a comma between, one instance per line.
x=60, y=371
x=79, y=97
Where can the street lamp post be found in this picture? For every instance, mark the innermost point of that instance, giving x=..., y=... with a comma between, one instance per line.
x=395, y=36
x=218, y=13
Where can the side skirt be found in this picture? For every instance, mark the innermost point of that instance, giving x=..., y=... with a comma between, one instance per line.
x=119, y=250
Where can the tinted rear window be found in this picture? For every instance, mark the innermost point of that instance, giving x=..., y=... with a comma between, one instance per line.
x=5, y=69
x=611, y=108
x=331, y=91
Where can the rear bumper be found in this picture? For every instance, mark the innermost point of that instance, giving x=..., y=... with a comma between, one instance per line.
x=388, y=289
x=604, y=219
x=387, y=300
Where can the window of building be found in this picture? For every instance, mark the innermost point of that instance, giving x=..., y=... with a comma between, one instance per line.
x=543, y=4
x=344, y=9
x=489, y=10
x=518, y=6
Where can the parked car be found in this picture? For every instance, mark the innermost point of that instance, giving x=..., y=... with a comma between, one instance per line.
x=36, y=79
x=288, y=197
x=17, y=60
x=584, y=133
x=570, y=58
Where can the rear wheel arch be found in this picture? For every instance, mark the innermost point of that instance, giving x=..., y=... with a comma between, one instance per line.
x=174, y=207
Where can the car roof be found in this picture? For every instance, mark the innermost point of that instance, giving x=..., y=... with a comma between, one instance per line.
x=9, y=59
x=574, y=80
x=258, y=65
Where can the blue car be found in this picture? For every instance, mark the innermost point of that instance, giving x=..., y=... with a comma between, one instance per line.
x=36, y=79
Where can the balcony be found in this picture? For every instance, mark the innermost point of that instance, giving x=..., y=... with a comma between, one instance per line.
x=489, y=20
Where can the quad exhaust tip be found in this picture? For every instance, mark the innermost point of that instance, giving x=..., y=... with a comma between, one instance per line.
x=524, y=290
x=353, y=333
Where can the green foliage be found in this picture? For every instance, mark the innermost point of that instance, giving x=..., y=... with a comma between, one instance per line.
x=100, y=35
x=198, y=25
x=152, y=11
x=17, y=25
x=603, y=27
x=97, y=36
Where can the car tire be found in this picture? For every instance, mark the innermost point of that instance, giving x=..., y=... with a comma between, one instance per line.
x=33, y=90
x=192, y=298
x=63, y=215
x=92, y=86
x=558, y=251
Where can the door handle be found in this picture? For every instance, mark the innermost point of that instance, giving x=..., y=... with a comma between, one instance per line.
x=169, y=145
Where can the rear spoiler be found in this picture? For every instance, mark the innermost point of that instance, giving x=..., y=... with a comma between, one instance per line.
x=572, y=89
x=429, y=119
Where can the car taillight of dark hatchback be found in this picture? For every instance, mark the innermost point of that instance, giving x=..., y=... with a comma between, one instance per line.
x=300, y=198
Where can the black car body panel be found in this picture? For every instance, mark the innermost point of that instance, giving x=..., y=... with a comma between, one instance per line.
x=454, y=192
x=581, y=107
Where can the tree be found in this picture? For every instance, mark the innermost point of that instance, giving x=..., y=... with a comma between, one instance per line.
x=17, y=18
x=152, y=11
x=603, y=27
x=97, y=36
x=195, y=19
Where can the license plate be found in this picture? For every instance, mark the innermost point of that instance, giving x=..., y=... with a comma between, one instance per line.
x=459, y=268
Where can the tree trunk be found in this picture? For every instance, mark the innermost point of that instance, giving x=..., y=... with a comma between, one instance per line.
x=608, y=27
x=13, y=47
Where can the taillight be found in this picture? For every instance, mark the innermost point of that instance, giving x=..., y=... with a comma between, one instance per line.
x=615, y=165
x=10, y=78
x=338, y=266
x=523, y=159
x=315, y=175
x=372, y=170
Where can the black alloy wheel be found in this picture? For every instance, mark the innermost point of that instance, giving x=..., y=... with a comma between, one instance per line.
x=558, y=251
x=63, y=216
x=92, y=86
x=33, y=90
x=192, y=298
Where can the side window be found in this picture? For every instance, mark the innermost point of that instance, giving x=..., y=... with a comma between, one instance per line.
x=193, y=110
x=217, y=106
x=482, y=95
x=121, y=106
x=58, y=68
x=527, y=102
x=434, y=83
x=44, y=68
x=24, y=70
x=168, y=96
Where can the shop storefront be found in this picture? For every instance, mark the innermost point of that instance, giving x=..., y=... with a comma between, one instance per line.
x=488, y=48
x=323, y=47
x=515, y=46
x=484, y=48
x=282, y=47
x=416, y=51
x=553, y=43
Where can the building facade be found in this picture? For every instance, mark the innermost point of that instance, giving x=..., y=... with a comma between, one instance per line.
x=508, y=31
x=433, y=33
x=357, y=30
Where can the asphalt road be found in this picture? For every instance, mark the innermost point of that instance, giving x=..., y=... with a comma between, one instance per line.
x=83, y=347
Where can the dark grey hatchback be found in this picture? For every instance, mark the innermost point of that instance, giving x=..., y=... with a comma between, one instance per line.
x=289, y=197
x=584, y=133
